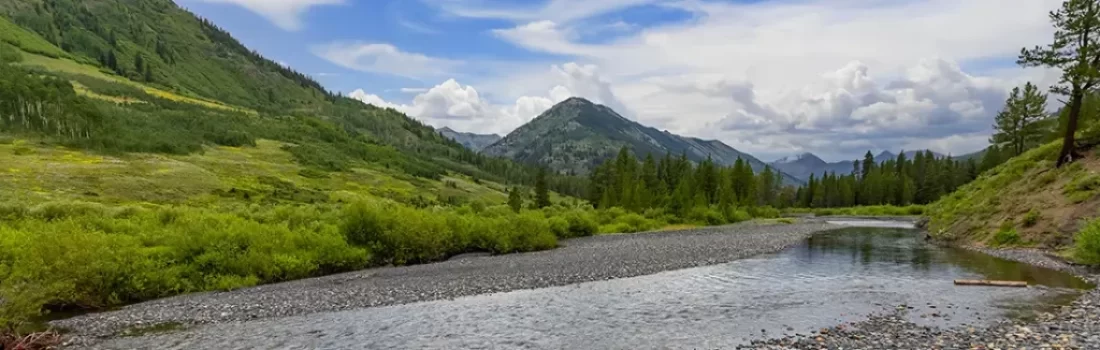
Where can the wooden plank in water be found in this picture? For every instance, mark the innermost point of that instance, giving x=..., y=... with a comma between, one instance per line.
x=991, y=283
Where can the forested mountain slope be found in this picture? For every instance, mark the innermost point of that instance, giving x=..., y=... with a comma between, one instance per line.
x=199, y=86
x=475, y=142
x=576, y=135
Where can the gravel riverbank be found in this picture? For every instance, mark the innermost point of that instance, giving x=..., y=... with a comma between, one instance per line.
x=579, y=260
x=1075, y=326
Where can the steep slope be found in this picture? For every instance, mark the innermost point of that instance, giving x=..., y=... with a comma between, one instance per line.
x=475, y=142
x=576, y=135
x=174, y=83
x=157, y=42
x=1026, y=201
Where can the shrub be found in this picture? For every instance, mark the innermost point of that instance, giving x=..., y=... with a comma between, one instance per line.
x=765, y=212
x=560, y=227
x=738, y=215
x=581, y=223
x=706, y=215
x=1007, y=234
x=1031, y=218
x=1087, y=243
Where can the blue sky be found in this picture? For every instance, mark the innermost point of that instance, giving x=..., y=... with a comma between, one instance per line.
x=770, y=77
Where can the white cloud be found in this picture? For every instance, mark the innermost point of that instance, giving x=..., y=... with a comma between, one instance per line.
x=385, y=59
x=463, y=108
x=284, y=13
x=413, y=90
x=892, y=76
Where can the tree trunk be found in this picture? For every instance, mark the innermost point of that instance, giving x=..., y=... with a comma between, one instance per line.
x=1068, y=153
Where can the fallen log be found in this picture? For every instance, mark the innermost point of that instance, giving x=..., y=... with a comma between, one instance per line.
x=991, y=283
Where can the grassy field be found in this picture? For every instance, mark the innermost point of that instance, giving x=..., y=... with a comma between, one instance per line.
x=70, y=66
x=28, y=41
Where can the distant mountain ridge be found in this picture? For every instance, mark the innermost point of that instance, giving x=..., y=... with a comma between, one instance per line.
x=576, y=135
x=803, y=165
x=475, y=142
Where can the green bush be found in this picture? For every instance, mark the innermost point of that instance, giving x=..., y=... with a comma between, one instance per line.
x=581, y=223
x=87, y=255
x=1087, y=243
x=706, y=215
x=1007, y=234
x=765, y=212
x=738, y=215
x=1031, y=218
x=560, y=227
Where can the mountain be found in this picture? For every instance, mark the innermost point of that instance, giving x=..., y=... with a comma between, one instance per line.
x=576, y=135
x=174, y=83
x=475, y=142
x=803, y=165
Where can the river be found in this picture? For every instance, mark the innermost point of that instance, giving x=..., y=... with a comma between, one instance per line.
x=832, y=278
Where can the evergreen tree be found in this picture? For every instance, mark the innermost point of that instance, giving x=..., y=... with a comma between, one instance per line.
x=515, y=200
x=542, y=192
x=1017, y=124
x=1075, y=52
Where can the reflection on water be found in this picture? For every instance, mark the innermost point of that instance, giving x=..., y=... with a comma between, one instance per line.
x=829, y=279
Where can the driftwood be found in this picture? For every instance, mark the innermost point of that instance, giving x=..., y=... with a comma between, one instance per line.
x=991, y=283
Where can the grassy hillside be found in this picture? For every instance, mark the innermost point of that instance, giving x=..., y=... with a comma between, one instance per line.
x=1023, y=202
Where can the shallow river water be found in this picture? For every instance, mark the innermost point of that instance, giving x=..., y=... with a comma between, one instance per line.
x=831, y=278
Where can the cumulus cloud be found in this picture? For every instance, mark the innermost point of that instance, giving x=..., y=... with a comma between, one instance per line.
x=284, y=13
x=385, y=59
x=751, y=73
x=462, y=107
x=930, y=106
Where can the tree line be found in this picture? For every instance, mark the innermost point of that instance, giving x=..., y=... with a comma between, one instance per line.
x=677, y=185
x=900, y=181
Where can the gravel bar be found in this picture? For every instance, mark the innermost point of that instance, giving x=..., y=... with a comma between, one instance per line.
x=578, y=260
x=1075, y=326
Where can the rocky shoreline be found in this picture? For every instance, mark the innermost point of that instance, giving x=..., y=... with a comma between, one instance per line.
x=578, y=260
x=1075, y=326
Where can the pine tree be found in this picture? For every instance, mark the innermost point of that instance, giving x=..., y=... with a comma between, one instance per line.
x=1017, y=124
x=542, y=193
x=515, y=200
x=1075, y=52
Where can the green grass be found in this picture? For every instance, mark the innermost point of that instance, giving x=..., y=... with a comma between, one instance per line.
x=28, y=41
x=63, y=65
x=971, y=212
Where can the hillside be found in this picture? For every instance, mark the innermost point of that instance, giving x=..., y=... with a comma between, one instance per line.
x=156, y=42
x=475, y=142
x=207, y=167
x=197, y=84
x=576, y=135
x=1023, y=202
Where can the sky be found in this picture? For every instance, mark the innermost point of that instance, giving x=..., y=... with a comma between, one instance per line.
x=768, y=77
